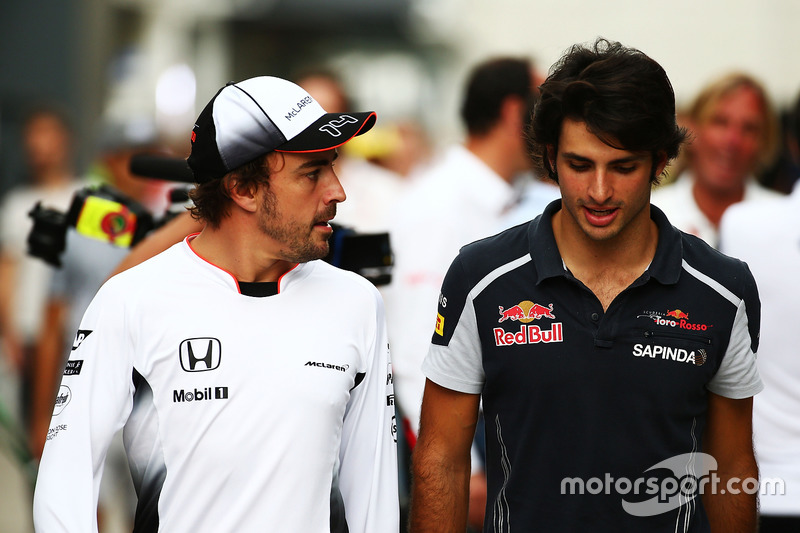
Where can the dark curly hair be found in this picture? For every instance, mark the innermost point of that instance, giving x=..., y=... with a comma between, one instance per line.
x=212, y=199
x=622, y=95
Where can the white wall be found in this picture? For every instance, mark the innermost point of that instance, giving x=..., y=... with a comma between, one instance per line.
x=694, y=40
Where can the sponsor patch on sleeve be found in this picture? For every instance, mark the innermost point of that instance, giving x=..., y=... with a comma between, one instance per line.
x=73, y=368
x=80, y=336
x=439, y=324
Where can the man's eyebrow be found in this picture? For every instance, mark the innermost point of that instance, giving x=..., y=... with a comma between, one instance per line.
x=570, y=155
x=321, y=162
x=633, y=158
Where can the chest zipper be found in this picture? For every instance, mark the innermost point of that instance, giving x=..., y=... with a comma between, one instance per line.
x=683, y=336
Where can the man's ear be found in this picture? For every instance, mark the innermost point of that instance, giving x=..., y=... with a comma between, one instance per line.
x=512, y=112
x=551, y=156
x=245, y=196
x=660, y=163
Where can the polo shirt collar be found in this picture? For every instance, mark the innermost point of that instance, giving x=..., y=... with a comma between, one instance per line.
x=668, y=261
x=665, y=267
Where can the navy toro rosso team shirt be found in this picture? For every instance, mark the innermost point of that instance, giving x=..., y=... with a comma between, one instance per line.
x=594, y=418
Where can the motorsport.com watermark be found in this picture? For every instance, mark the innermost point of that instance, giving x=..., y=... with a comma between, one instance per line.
x=689, y=475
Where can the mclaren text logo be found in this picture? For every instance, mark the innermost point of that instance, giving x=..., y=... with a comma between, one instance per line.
x=293, y=112
x=340, y=368
x=332, y=128
x=679, y=355
x=200, y=395
x=200, y=354
x=529, y=335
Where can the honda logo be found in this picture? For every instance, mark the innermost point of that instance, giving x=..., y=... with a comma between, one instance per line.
x=200, y=354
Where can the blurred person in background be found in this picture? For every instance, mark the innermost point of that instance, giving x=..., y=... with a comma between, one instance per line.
x=402, y=146
x=372, y=190
x=459, y=198
x=734, y=135
x=766, y=235
x=86, y=262
x=48, y=145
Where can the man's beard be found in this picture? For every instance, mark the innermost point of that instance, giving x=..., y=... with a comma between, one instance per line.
x=297, y=240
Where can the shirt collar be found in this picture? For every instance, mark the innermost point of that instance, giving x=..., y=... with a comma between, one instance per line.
x=294, y=275
x=665, y=267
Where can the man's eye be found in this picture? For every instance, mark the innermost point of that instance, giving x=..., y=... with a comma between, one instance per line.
x=627, y=169
x=578, y=167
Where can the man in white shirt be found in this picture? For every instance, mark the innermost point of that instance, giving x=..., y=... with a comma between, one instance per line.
x=459, y=199
x=767, y=236
x=253, y=382
x=462, y=197
x=734, y=134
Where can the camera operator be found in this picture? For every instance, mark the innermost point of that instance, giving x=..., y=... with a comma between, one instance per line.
x=85, y=264
x=47, y=140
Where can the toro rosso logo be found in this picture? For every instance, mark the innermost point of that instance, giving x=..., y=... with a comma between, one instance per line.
x=674, y=319
x=525, y=312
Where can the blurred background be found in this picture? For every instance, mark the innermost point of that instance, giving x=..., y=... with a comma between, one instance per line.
x=157, y=62
x=406, y=59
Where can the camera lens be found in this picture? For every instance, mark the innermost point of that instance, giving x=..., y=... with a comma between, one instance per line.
x=48, y=237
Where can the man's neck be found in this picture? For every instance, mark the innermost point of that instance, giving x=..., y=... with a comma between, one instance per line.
x=494, y=151
x=52, y=178
x=605, y=267
x=239, y=255
x=713, y=203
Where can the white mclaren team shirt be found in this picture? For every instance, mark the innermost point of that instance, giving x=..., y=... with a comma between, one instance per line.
x=240, y=414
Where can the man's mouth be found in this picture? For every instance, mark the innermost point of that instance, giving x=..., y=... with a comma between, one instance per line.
x=324, y=221
x=600, y=212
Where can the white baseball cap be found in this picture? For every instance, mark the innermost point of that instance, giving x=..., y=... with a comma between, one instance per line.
x=250, y=118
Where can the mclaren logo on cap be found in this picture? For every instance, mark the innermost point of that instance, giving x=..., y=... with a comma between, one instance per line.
x=299, y=107
x=332, y=127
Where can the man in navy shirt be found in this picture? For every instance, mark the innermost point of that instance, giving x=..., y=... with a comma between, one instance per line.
x=613, y=354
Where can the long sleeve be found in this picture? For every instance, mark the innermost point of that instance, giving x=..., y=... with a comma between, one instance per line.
x=93, y=403
x=368, y=454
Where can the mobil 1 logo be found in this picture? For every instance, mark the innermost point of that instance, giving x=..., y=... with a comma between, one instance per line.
x=199, y=395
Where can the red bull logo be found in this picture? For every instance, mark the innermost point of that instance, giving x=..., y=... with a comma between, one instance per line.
x=677, y=313
x=529, y=335
x=525, y=312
